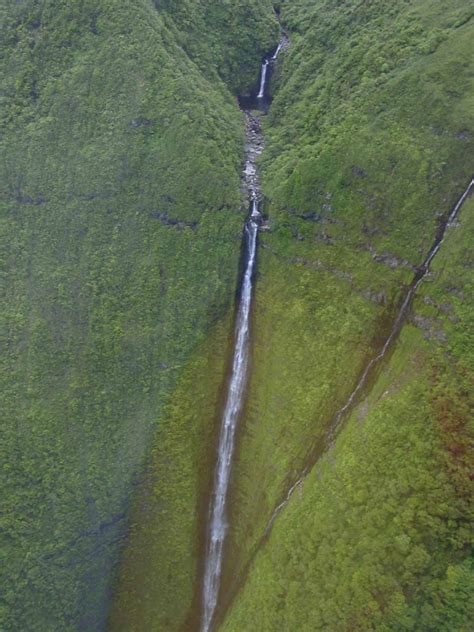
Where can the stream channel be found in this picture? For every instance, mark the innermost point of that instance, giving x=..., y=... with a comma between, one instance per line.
x=217, y=519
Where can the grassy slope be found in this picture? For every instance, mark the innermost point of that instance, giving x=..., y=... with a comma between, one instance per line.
x=378, y=536
x=159, y=568
x=371, y=135
x=110, y=135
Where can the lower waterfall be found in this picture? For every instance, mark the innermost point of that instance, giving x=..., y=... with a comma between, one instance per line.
x=218, y=523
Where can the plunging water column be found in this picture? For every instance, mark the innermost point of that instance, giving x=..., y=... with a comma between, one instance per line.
x=218, y=515
x=263, y=79
x=218, y=524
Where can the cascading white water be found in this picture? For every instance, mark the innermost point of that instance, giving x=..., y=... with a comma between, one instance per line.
x=218, y=523
x=279, y=47
x=263, y=79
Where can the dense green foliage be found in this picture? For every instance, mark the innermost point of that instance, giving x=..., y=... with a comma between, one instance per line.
x=120, y=174
x=121, y=147
x=377, y=537
x=369, y=141
x=166, y=518
x=229, y=37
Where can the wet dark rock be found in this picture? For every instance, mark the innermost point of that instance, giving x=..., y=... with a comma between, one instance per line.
x=359, y=172
x=140, y=121
x=172, y=221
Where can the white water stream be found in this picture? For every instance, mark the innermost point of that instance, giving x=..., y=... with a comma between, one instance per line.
x=263, y=79
x=218, y=526
x=218, y=520
x=279, y=47
x=218, y=511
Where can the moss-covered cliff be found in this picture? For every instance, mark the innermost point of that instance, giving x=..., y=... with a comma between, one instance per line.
x=378, y=535
x=370, y=141
x=121, y=226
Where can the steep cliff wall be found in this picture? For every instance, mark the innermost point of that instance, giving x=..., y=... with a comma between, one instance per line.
x=121, y=215
x=122, y=221
x=369, y=142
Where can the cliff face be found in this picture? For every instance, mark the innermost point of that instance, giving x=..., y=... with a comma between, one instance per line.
x=122, y=222
x=122, y=215
x=369, y=142
x=377, y=536
x=224, y=37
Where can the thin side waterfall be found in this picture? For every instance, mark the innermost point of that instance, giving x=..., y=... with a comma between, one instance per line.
x=341, y=414
x=263, y=79
x=218, y=521
x=396, y=327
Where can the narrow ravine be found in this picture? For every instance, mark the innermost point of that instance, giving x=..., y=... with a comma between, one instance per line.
x=217, y=526
x=217, y=522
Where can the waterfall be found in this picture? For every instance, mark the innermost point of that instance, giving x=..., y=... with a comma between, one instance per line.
x=263, y=79
x=279, y=47
x=218, y=522
x=217, y=525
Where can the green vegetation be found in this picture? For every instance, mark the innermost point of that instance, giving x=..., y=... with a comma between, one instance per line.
x=378, y=536
x=230, y=37
x=121, y=227
x=121, y=145
x=165, y=519
x=368, y=142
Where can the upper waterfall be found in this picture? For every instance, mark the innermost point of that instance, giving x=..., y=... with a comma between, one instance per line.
x=263, y=79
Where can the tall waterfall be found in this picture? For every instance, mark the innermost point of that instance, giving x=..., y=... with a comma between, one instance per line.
x=217, y=528
x=218, y=522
